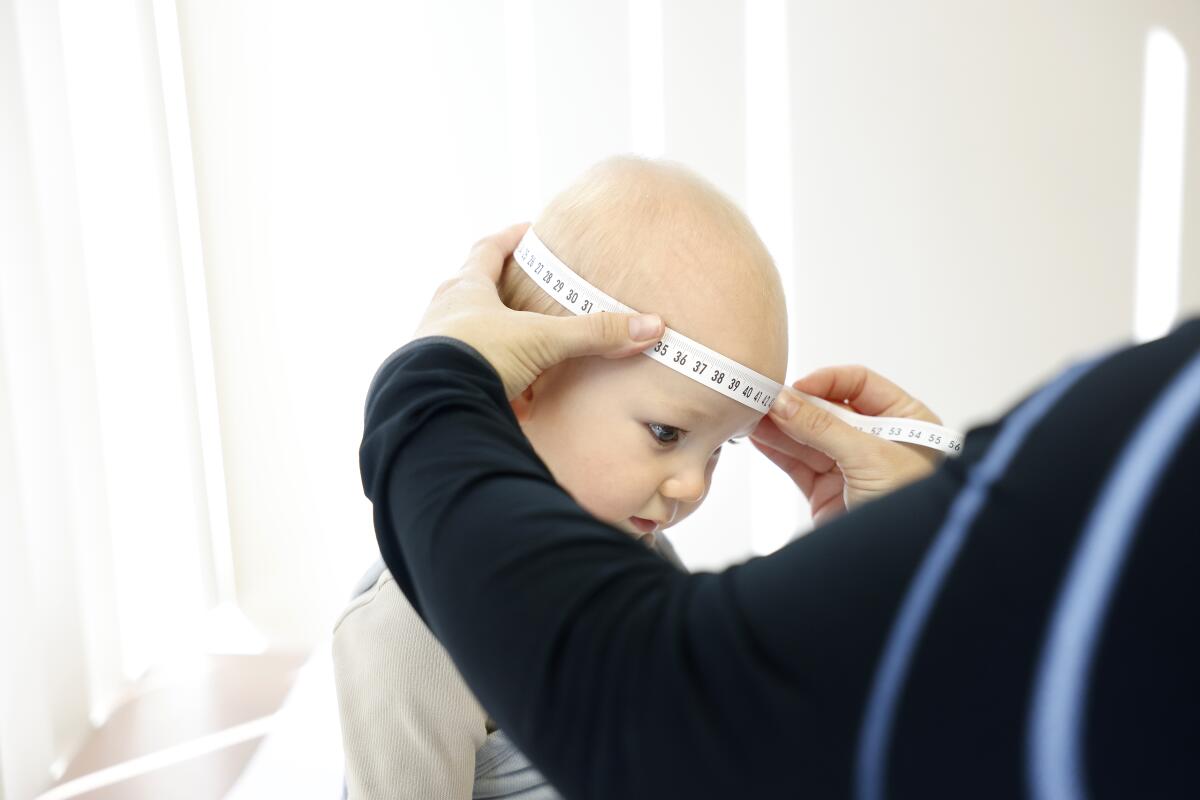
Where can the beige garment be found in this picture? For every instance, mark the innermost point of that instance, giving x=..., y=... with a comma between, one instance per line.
x=410, y=725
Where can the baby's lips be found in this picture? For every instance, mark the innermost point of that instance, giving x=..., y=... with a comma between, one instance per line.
x=644, y=525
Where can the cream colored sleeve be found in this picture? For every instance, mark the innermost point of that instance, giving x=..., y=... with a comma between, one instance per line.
x=410, y=725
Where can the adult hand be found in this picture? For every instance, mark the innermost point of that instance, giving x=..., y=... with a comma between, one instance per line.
x=520, y=345
x=836, y=466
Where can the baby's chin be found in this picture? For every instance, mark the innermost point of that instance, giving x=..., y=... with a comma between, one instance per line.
x=624, y=525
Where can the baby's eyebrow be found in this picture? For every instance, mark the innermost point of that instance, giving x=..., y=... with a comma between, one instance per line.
x=685, y=410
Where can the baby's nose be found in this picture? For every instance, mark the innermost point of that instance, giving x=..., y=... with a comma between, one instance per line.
x=686, y=488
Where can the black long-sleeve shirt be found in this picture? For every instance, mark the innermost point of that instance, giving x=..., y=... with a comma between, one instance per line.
x=949, y=640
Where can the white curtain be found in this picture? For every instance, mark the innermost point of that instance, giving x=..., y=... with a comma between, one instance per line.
x=217, y=217
x=108, y=562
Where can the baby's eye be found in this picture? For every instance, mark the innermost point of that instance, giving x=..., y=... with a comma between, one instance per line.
x=663, y=434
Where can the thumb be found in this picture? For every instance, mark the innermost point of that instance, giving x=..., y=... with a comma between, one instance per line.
x=606, y=334
x=816, y=427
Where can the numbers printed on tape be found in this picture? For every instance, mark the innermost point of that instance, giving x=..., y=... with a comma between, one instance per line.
x=897, y=429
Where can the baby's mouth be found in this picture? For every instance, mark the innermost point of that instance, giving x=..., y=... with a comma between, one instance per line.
x=644, y=525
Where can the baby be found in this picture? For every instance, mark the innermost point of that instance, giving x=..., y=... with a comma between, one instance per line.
x=633, y=442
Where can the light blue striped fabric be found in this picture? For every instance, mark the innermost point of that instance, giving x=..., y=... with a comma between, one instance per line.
x=503, y=771
x=1056, y=769
x=892, y=672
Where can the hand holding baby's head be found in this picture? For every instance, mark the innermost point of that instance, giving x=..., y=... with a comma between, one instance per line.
x=633, y=442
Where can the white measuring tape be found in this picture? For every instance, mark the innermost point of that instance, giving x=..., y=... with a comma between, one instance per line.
x=707, y=367
x=896, y=429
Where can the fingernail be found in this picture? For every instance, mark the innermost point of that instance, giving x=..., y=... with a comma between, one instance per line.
x=784, y=406
x=643, y=327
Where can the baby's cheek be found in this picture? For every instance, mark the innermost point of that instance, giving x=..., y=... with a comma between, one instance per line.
x=604, y=485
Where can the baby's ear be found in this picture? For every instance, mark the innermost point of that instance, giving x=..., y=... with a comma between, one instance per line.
x=522, y=403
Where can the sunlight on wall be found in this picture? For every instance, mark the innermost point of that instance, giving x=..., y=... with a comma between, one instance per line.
x=145, y=384
x=1160, y=203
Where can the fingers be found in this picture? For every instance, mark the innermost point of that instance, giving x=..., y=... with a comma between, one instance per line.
x=603, y=334
x=823, y=488
x=866, y=390
x=768, y=434
x=487, y=255
x=800, y=473
x=810, y=425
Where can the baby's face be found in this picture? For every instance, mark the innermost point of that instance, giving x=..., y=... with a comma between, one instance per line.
x=629, y=438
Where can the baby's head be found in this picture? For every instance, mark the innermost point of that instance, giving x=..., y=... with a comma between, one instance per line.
x=628, y=437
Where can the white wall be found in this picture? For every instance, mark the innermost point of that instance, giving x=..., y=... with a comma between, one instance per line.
x=968, y=168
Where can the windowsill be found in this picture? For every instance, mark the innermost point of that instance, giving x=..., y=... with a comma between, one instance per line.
x=186, y=733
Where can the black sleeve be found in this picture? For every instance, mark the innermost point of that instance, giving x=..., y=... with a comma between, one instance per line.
x=622, y=677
